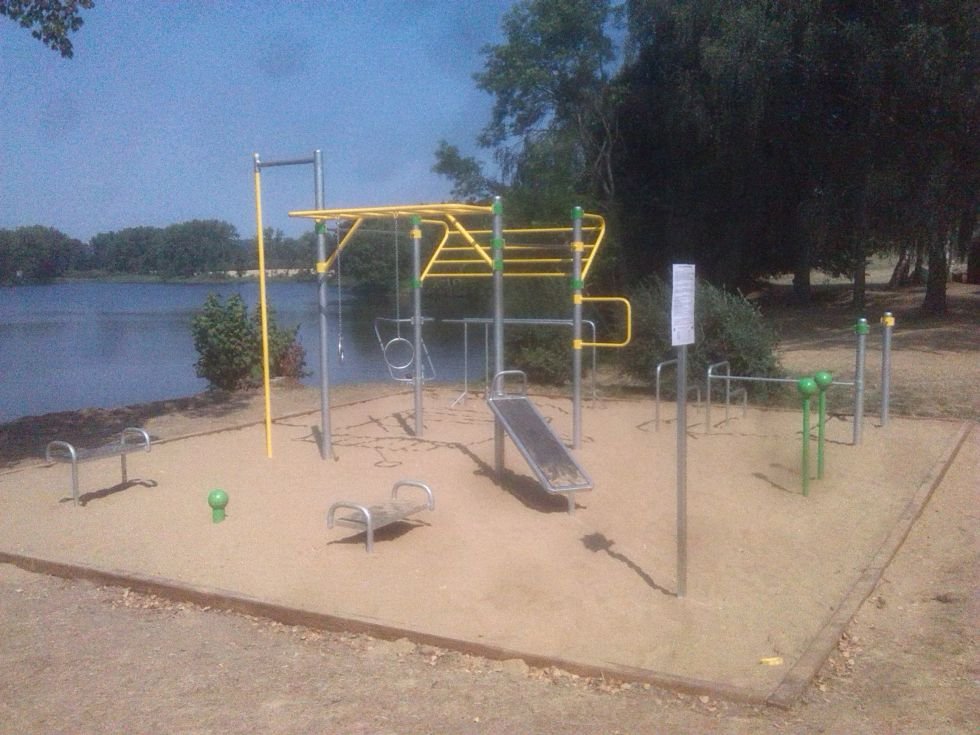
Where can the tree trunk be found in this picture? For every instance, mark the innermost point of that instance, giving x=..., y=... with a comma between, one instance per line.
x=860, y=278
x=973, y=262
x=969, y=245
x=859, y=233
x=918, y=276
x=801, y=275
x=900, y=274
x=935, y=298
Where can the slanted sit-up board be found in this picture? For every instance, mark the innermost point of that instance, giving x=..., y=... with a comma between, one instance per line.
x=546, y=455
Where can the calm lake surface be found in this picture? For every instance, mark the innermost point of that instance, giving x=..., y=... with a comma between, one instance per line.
x=77, y=345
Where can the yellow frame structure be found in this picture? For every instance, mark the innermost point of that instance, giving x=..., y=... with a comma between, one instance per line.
x=464, y=247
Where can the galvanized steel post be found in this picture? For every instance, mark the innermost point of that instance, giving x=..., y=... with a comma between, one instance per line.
x=326, y=442
x=417, y=318
x=497, y=245
x=681, y=470
x=887, y=323
x=861, y=329
x=577, y=248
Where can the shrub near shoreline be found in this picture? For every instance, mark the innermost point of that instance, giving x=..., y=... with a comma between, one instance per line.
x=229, y=344
x=727, y=327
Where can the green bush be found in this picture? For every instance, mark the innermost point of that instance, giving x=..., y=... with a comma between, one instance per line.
x=727, y=327
x=543, y=352
x=229, y=345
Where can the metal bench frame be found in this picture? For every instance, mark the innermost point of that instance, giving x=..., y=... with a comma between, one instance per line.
x=130, y=440
x=369, y=518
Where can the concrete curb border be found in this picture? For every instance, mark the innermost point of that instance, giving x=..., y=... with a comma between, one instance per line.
x=246, y=605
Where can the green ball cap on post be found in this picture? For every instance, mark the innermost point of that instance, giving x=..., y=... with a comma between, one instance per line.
x=823, y=379
x=807, y=387
x=217, y=499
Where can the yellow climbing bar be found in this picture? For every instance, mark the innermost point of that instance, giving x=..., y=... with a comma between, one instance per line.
x=629, y=320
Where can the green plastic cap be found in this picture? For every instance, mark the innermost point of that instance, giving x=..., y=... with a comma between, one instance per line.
x=577, y=213
x=807, y=387
x=823, y=379
x=862, y=326
x=217, y=499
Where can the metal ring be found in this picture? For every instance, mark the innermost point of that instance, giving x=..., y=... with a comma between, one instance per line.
x=411, y=354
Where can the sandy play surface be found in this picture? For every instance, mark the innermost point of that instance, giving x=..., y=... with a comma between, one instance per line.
x=500, y=564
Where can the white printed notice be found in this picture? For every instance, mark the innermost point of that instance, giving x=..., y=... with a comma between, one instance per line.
x=682, y=306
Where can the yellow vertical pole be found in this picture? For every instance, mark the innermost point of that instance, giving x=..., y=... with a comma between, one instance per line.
x=260, y=240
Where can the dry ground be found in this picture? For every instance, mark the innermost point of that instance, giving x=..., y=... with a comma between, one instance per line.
x=76, y=658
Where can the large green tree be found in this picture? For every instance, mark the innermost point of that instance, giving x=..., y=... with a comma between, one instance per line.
x=763, y=137
x=50, y=21
x=550, y=129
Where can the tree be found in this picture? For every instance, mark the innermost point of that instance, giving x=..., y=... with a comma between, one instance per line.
x=550, y=126
x=551, y=79
x=50, y=21
x=769, y=137
x=37, y=254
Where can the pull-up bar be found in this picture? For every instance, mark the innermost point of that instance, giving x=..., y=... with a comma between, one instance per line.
x=326, y=448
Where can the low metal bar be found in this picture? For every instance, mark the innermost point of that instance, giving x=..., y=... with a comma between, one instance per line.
x=710, y=375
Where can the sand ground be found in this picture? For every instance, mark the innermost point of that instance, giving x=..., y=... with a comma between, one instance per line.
x=500, y=567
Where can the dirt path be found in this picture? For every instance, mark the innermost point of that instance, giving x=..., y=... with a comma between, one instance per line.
x=81, y=659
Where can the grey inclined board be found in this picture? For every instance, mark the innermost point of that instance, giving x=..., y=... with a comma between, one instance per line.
x=548, y=457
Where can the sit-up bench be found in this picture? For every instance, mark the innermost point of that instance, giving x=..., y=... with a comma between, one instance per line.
x=131, y=440
x=369, y=518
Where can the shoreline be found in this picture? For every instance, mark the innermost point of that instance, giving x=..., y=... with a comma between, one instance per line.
x=24, y=439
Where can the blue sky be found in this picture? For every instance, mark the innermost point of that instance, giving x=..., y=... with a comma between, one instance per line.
x=155, y=119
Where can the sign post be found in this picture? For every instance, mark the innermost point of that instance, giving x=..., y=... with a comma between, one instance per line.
x=682, y=335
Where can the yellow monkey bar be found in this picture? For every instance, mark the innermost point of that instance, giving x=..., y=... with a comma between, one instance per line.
x=464, y=248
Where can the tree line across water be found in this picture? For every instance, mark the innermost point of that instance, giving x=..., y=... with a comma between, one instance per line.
x=198, y=248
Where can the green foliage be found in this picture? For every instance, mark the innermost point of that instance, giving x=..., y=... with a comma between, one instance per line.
x=50, y=21
x=37, y=255
x=727, y=327
x=229, y=345
x=551, y=124
x=543, y=352
x=762, y=137
x=181, y=250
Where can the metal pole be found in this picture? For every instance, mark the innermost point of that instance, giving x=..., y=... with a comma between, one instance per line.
x=824, y=380
x=888, y=323
x=318, y=194
x=807, y=387
x=263, y=312
x=681, y=471
x=326, y=441
x=577, y=247
x=861, y=329
x=417, y=318
x=498, y=320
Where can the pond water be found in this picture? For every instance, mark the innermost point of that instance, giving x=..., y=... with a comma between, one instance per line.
x=75, y=345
